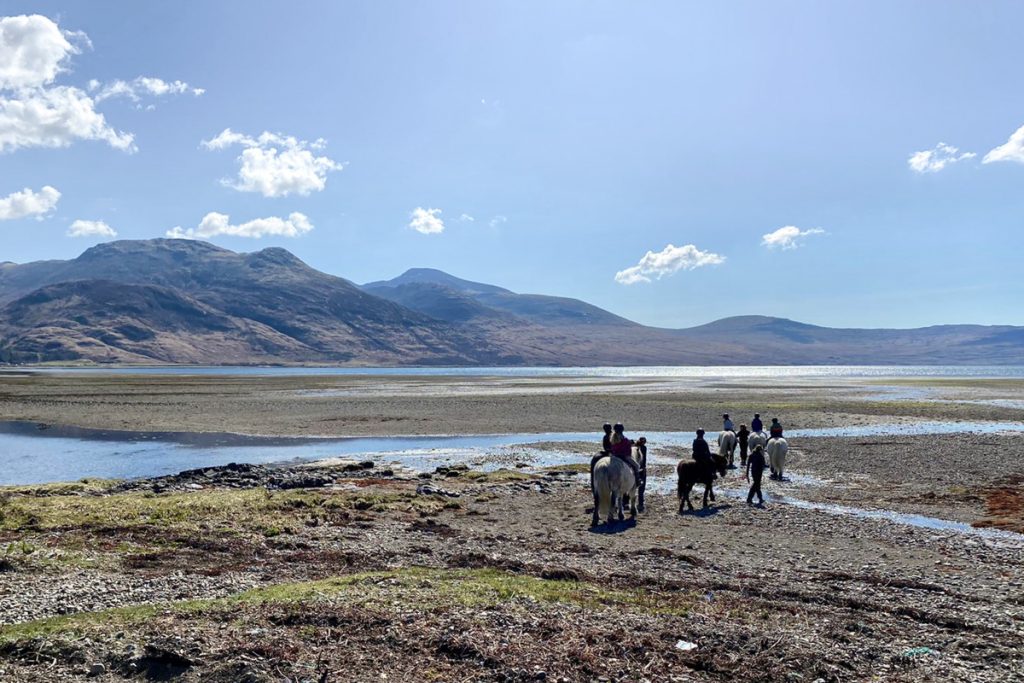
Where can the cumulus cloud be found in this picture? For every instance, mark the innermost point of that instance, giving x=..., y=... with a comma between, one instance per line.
x=214, y=224
x=934, y=160
x=275, y=165
x=82, y=228
x=1012, y=150
x=426, y=221
x=788, y=237
x=55, y=117
x=34, y=52
x=135, y=89
x=666, y=262
x=29, y=203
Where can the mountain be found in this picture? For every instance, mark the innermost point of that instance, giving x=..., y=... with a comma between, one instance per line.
x=223, y=307
x=535, y=308
x=183, y=301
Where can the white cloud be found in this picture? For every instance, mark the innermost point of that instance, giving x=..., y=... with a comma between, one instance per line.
x=669, y=260
x=29, y=203
x=276, y=165
x=426, y=221
x=214, y=224
x=34, y=51
x=466, y=218
x=934, y=160
x=788, y=237
x=82, y=228
x=55, y=117
x=135, y=89
x=498, y=220
x=1012, y=150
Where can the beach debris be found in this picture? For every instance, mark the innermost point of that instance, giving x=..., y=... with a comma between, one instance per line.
x=685, y=645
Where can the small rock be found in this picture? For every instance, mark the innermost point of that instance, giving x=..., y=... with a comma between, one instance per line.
x=97, y=670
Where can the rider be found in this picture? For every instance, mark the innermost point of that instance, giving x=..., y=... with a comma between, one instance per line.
x=622, y=448
x=606, y=449
x=775, y=431
x=701, y=450
x=756, y=425
x=727, y=425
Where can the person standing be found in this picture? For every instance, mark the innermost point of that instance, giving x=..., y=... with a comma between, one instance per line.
x=742, y=437
x=755, y=466
x=756, y=425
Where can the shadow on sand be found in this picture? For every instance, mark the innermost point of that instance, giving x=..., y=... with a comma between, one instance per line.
x=706, y=512
x=615, y=527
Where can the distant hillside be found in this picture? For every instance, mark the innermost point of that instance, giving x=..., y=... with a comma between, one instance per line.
x=182, y=301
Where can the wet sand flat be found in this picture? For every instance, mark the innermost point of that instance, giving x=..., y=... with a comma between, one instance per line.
x=341, y=570
x=389, y=405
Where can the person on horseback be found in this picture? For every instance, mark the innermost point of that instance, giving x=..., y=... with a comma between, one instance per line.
x=606, y=449
x=701, y=450
x=622, y=448
x=775, y=431
x=727, y=425
x=756, y=425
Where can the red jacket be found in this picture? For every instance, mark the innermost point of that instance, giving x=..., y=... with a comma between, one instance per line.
x=623, y=449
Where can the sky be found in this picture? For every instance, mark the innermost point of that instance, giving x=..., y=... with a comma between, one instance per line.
x=850, y=164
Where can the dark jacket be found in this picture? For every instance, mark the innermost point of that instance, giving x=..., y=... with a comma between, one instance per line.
x=743, y=435
x=606, y=443
x=756, y=463
x=701, y=450
x=757, y=425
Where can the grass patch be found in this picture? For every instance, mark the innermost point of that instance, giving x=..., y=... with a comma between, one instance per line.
x=401, y=589
x=224, y=510
x=501, y=476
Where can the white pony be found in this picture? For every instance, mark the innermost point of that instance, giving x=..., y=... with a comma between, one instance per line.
x=727, y=444
x=757, y=439
x=777, y=449
x=613, y=482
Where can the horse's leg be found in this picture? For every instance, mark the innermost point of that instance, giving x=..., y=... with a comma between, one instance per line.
x=594, y=521
x=622, y=515
x=632, y=507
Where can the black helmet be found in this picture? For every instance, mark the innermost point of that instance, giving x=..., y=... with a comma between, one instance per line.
x=607, y=427
x=619, y=427
x=725, y=415
x=757, y=414
x=700, y=432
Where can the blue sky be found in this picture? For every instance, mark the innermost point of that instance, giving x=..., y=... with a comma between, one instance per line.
x=579, y=136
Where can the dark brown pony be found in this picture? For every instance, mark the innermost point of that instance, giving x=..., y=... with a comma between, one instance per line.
x=691, y=472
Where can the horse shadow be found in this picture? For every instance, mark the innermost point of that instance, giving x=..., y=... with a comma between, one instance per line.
x=615, y=527
x=706, y=512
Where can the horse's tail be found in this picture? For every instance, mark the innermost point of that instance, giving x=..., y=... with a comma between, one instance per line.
x=603, y=490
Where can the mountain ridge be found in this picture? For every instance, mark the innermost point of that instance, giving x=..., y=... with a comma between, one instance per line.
x=184, y=301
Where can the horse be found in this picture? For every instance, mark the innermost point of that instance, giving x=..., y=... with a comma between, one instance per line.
x=777, y=449
x=613, y=485
x=691, y=472
x=727, y=445
x=756, y=439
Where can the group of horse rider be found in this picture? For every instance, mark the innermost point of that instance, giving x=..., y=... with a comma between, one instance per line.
x=616, y=444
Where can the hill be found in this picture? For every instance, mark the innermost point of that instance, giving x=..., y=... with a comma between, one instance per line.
x=183, y=301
